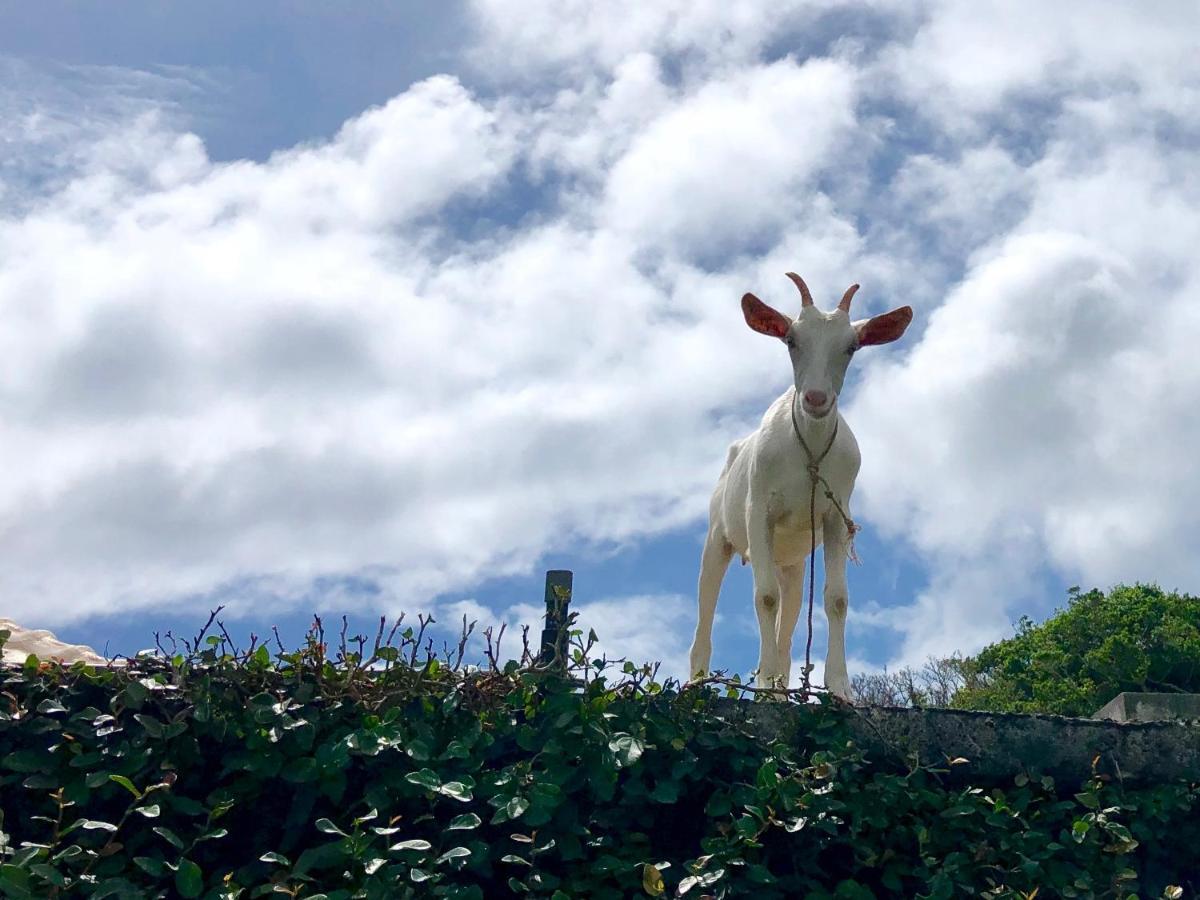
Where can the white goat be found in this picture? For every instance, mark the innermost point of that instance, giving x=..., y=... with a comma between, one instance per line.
x=761, y=506
x=23, y=643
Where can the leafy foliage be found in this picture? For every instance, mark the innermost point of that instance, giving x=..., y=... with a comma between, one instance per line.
x=1136, y=638
x=396, y=774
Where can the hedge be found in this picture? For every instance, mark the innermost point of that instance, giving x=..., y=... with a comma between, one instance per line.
x=383, y=770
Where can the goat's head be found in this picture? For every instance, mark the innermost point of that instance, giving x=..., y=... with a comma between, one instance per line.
x=821, y=343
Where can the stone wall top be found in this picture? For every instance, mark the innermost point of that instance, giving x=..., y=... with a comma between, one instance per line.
x=999, y=746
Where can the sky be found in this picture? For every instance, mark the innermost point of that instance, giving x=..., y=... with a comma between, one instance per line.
x=361, y=310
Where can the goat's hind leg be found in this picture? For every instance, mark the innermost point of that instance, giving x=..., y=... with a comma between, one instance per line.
x=713, y=563
x=837, y=599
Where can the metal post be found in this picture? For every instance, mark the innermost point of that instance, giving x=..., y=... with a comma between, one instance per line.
x=558, y=599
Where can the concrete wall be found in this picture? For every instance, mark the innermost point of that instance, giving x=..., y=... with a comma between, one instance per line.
x=998, y=746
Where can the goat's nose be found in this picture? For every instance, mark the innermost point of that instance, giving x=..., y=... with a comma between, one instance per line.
x=815, y=398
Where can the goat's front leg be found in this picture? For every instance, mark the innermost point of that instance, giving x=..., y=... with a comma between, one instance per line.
x=766, y=591
x=837, y=599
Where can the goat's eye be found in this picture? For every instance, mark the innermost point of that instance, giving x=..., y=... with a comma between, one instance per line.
x=790, y=341
x=850, y=350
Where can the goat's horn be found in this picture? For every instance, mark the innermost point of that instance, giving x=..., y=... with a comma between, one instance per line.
x=847, y=297
x=805, y=297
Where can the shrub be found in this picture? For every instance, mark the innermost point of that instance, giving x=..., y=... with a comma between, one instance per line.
x=1138, y=638
x=393, y=773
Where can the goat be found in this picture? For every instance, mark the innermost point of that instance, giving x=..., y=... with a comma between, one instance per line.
x=761, y=506
x=23, y=642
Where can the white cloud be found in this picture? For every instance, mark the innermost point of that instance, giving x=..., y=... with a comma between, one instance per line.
x=1042, y=419
x=258, y=374
x=577, y=36
x=588, y=125
x=731, y=166
x=642, y=628
x=977, y=59
x=55, y=116
x=478, y=324
x=965, y=201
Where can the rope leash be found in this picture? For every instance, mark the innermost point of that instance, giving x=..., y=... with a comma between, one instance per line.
x=814, y=476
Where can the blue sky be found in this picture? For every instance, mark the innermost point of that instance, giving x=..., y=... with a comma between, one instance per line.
x=311, y=308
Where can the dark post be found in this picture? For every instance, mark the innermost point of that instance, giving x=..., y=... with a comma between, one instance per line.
x=558, y=598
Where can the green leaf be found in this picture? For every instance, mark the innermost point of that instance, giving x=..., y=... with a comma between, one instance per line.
x=94, y=825
x=426, y=778
x=220, y=809
x=300, y=770
x=127, y=784
x=958, y=810
x=665, y=792
x=326, y=826
x=652, y=880
x=628, y=749
x=374, y=865
x=516, y=807
x=151, y=865
x=188, y=879
x=273, y=857
x=23, y=856
x=456, y=790
x=150, y=811
x=719, y=805
x=167, y=834
x=464, y=822
x=51, y=874
x=454, y=853
x=153, y=726
x=324, y=856
x=14, y=878
x=415, y=844
x=418, y=750
x=28, y=761
x=135, y=694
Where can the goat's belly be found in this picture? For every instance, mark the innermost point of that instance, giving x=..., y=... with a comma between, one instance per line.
x=791, y=542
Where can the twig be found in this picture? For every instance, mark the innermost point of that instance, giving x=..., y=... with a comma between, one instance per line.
x=211, y=618
x=229, y=640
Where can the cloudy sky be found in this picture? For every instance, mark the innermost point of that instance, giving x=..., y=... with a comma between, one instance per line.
x=315, y=308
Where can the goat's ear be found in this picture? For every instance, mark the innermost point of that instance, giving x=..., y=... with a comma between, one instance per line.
x=763, y=319
x=885, y=328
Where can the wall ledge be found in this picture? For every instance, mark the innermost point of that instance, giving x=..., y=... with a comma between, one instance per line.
x=999, y=746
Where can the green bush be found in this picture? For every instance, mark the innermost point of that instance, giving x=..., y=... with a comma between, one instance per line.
x=391, y=773
x=1138, y=638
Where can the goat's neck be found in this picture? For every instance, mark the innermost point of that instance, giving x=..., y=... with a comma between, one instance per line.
x=815, y=432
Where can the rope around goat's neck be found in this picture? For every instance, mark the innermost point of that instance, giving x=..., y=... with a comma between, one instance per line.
x=814, y=475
